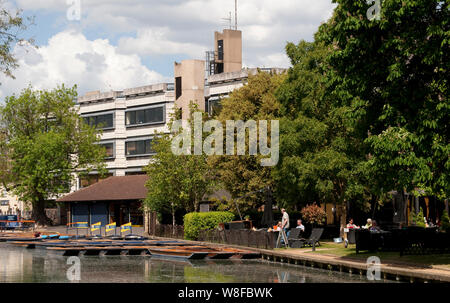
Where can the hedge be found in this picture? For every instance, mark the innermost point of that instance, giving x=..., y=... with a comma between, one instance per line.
x=195, y=222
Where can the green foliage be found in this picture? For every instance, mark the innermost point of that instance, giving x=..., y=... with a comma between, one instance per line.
x=12, y=25
x=420, y=221
x=45, y=140
x=320, y=156
x=393, y=76
x=412, y=217
x=416, y=219
x=176, y=181
x=196, y=222
x=313, y=214
x=241, y=175
x=445, y=222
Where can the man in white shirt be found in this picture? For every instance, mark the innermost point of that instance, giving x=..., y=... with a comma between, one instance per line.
x=300, y=225
x=285, y=220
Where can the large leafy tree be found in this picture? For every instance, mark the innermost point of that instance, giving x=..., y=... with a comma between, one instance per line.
x=177, y=181
x=320, y=156
x=393, y=73
x=242, y=175
x=44, y=142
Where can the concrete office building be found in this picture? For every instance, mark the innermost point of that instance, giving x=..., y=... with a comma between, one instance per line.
x=130, y=118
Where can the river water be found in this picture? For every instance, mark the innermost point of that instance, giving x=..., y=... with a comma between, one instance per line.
x=22, y=265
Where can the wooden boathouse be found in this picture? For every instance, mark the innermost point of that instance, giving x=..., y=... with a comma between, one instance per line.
x=115, y=199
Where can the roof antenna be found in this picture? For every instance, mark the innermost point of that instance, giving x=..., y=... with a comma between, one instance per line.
x=228, y=19
x=235, y=15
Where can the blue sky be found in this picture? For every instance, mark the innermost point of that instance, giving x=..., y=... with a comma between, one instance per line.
x=118, y=44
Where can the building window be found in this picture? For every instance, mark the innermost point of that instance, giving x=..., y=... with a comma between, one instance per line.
x=139, y=148
x=220, y=50
x=92, y=179
x=178, y=87
x=101, y=121
x=4, y=203
x=109, y=147
x=135, y=173
x=153, y=115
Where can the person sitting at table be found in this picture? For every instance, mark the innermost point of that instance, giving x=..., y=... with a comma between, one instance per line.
x=368, y=225
x=350, y=225
x=300, y=225
x=277, y=227
x=375, y=226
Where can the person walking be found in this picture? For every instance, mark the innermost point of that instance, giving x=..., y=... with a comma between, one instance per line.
x=285, y=220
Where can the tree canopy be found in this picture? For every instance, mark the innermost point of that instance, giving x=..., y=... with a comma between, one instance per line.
x=243, y=174
x=393, y=74
x=177, y=181
x=44, y=143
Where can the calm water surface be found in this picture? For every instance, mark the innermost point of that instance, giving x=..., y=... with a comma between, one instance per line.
x=36, y=265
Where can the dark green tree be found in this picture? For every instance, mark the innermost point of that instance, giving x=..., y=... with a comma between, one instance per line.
x=393, y=74
x=44, y=143
x=321, y=159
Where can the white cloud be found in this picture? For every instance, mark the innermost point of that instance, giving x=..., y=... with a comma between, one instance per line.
x=156, y=41
x=187, y=26
x=166, y=30
x=70, y=58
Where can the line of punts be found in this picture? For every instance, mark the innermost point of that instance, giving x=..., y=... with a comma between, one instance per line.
x=129, y=246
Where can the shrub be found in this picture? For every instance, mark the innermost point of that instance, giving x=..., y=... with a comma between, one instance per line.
x=195, y=222
x=416, y=219
x=420, y=221
x=445, y=222
x=313, y=214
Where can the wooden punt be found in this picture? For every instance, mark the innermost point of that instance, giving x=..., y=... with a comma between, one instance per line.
x=212, y=252
x=65, y=251
x=28, y=245
x=176, y=253
x=242, y=254
x=92, y=251
x=9, y=239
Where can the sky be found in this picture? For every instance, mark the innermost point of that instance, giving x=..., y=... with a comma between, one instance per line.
x=116, y=44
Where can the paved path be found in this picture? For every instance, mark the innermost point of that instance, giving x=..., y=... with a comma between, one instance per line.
x=393, y=269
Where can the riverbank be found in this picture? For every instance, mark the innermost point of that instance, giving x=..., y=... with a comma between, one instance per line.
x=334, y=257
x=396, y=269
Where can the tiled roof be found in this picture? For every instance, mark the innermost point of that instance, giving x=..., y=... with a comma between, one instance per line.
x=111, y=189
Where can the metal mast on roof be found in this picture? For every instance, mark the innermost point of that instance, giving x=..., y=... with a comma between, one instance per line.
x=235, y=14
x=228, y=19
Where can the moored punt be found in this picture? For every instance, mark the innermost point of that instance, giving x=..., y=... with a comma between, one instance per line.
x=24, y=244
x=7, y=239
x=176, y=253
x=65, y=251
x=242, y=254
x=212, y=253
x=92, y=251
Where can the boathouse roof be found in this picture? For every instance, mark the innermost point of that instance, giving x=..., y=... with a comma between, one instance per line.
x=111, y=189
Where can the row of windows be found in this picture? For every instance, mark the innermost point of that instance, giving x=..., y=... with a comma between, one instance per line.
x=153, y=115
x=145, y=116
x=132, y=148
x=103, y=121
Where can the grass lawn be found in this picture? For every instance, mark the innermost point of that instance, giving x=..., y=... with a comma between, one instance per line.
x=441, y=261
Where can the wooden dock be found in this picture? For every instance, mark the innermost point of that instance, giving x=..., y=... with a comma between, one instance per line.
x=155, y=248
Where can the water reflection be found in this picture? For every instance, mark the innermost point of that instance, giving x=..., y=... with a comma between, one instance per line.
x=22, y=265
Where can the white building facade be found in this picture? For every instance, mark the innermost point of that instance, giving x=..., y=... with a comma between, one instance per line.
x=129, y=120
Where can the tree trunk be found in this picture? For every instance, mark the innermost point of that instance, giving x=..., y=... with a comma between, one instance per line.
x=39, y=215
x=173, y=222
x=343, y=218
